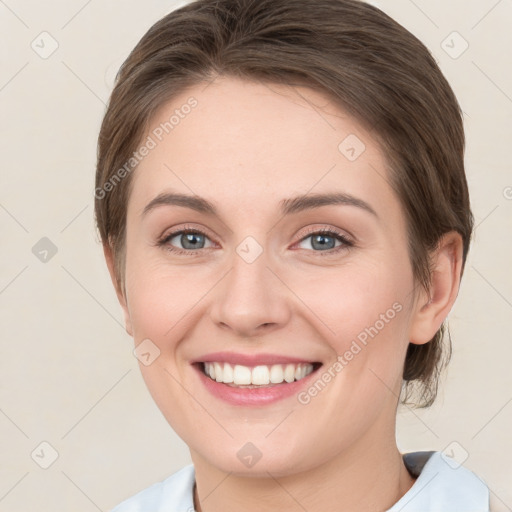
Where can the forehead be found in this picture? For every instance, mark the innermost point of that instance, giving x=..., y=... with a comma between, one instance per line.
x=242, y=142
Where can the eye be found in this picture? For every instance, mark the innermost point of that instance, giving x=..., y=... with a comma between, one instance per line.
x=194, y=239
x=189, y=238
x=324, y=240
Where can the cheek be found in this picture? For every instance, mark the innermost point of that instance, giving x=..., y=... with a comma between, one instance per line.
x=164, y=304
x=363, y=315
x=161, y=297
x=351, y=299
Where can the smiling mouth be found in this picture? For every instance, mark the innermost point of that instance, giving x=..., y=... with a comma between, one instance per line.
x=257, y=376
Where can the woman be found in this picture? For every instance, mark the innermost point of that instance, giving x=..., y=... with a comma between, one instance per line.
x=281, y=196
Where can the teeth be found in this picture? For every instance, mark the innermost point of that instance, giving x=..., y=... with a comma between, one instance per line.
x=227, y=374
x=276, y=374
x=241, y=375
x=289, y=372
x=262, y=375
x=218, y=372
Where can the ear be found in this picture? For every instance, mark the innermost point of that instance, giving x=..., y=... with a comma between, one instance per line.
x=109, y=257
x=430, y=311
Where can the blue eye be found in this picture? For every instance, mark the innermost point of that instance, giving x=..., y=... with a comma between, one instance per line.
x=324, y=240
x=193, y=240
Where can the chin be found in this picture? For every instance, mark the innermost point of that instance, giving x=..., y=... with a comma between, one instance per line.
x=257, y=461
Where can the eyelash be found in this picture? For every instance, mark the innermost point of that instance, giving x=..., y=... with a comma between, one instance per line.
x=346, y=243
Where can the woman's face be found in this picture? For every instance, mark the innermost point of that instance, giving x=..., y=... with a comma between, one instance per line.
x=255, y=285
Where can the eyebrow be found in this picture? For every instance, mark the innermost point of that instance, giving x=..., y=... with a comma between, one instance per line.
x=288, y=206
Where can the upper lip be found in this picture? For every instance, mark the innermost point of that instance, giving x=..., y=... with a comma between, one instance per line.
x=250, y=359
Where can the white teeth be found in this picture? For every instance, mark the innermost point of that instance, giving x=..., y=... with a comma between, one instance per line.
x=227, y=375
x=262, y=375
x=289, y=373
x=276, y=374
x=241, y=375
x=218, y=372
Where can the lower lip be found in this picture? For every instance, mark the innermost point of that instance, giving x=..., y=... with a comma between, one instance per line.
x=253, y=396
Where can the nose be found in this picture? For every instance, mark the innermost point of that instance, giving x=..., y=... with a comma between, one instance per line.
x=251, y=299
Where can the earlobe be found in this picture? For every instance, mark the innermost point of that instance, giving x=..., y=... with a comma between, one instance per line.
x=432, y=309
x=109, y=258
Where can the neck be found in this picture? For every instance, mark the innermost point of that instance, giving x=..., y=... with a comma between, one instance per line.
x=365, y=477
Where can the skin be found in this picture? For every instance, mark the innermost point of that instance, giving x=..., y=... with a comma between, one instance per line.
x=245, y=147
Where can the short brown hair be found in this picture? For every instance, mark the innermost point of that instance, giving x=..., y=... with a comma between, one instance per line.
x=359, y=57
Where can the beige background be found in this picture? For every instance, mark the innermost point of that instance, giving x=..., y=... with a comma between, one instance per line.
x=68, y=376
